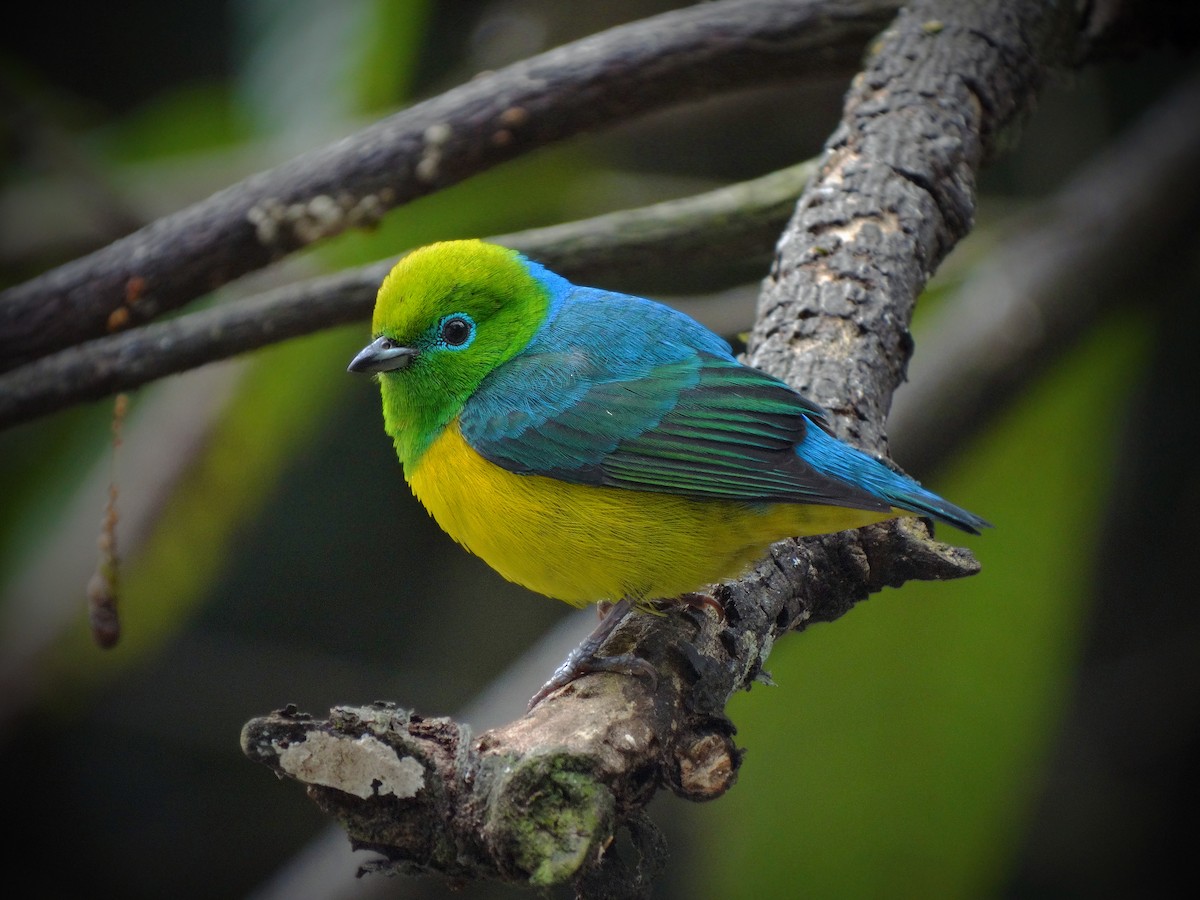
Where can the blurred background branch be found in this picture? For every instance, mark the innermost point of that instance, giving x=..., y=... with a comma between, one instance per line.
x=732, y=225
x=627, y=71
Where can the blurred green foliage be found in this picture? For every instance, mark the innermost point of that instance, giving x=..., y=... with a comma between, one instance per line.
x=188, y=121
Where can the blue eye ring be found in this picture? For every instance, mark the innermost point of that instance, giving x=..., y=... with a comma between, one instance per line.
x=456, y=331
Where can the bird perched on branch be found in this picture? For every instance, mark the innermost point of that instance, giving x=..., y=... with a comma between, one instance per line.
x=594, y=446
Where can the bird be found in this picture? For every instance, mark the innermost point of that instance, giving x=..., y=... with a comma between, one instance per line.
x=602, y=448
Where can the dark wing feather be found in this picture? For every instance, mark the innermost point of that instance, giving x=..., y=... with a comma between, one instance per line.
x=732, y=436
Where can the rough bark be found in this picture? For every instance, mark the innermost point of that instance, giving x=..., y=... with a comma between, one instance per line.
x=947, y=88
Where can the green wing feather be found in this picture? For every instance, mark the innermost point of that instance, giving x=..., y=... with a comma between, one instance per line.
x=701, y=426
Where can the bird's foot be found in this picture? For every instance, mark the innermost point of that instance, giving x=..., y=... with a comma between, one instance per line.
x=585, y=658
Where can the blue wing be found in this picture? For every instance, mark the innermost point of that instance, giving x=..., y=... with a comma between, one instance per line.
x=620, y=391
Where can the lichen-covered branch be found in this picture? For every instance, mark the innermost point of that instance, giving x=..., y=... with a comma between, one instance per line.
x=539, y=800
x=613, y=76
x=733, y=224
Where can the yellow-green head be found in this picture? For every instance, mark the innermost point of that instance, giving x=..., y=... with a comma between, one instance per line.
x=447, y=315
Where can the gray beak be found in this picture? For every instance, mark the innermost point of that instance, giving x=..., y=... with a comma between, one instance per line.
x=381, y=355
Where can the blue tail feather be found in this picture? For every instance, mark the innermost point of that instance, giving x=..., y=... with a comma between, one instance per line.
x=832, y=457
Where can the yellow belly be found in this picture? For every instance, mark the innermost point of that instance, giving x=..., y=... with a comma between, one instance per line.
x=582, y=544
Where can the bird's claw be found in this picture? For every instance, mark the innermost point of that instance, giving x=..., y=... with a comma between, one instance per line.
x=585, y=658
x=576, y=666
x=702, y=599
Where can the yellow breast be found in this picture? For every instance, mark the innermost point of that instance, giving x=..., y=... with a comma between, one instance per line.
x=582, y=544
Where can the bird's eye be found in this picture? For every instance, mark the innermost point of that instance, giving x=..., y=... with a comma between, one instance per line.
x=456, y=330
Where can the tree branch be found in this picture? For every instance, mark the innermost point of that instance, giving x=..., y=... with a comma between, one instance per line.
x=541, y=798
x=612, y=76
x=737, y=223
